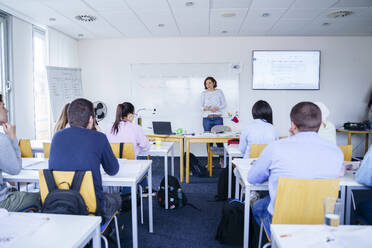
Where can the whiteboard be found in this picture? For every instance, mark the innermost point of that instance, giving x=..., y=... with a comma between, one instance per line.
x=64, y=87
x=174, y=90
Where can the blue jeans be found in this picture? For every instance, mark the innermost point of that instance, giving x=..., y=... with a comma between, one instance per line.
x=260, y=213
x=209, y=122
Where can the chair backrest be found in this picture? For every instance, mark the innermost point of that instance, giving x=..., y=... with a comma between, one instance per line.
x=62, y=177
x=300, y=201
x=128, y=150
x=220, y=129
x=348, y=151
x=25, y=147
x=46, y=149
x=256, y=150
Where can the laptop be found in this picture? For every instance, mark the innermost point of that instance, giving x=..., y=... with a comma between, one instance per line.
x=162, y=127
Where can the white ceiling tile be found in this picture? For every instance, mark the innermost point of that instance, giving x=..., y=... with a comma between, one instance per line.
x=302, y=13
x=148, y=5
x=313, y=4
x=107, y=5
x=288, y=27
x=358, y=13
x=353, y=3
x=180, y=5
x=224, y=4
x=271, y=4
x=153, y=19
x=255, y=22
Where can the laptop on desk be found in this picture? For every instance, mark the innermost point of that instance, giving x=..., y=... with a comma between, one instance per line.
x=162, y=127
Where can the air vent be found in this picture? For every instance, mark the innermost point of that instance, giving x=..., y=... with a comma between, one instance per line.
x=86, y=18
x=340, y=14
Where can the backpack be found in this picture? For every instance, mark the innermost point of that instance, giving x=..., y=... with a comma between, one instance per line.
x=173, y=197
x=60, y=201
x=231, y=228
x=196, y=168
x=223, y=185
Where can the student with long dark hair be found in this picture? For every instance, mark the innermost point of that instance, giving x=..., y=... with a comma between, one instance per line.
x=125, y=130
x=260, y=130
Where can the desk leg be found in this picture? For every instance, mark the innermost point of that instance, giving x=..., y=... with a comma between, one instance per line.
x=149, y=178
x=366, y=145
x=343, y=199
x=210, y=159
x=224, y=157
x=246, y=216
x=166, y=180
x=230, y=176
x=172, y=161
x=181, y=160
x=348, y=205
x=237, y=185
x=97, y=238
x=349, y=138
x=134, y=215
x=187, y=161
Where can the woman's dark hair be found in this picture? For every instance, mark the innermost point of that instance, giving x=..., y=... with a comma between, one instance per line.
x=79, y=112
x=212, y=79
x=370, y=101
x=262, y=110
x=306, y=116
x=122, y=110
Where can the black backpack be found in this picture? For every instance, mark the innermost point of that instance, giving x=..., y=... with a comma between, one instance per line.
x=231, y=228
x=60, y=201
x=196, y=168
x=223, y=185
x=173, y=198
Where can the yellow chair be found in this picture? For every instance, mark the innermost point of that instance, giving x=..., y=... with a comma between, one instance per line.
x=25, y=147
x=348, y=151
x=300, y=201
x=127, y=152
x=256, y=150
x=63, y=179
x=46, y=149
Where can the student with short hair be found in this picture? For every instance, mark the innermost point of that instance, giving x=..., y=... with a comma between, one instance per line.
x=81, y=148
x=260, y=130
x=303, y=155
x=124, y=130
x=11, y=163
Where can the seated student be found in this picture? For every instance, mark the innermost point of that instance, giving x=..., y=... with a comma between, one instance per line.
x=81, y=148
x=303, y=155
x=125, y=131
x=327, y=129
x=11, y=163
x=62, y=121
x=260, y=130
x=364, y=176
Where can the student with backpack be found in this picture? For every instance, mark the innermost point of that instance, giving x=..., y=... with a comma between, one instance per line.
x=79, y=148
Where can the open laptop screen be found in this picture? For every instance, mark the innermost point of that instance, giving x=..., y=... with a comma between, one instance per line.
x=162, y=127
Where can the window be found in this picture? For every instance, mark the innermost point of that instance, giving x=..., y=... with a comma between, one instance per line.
x=4, y=63
x=41, y=92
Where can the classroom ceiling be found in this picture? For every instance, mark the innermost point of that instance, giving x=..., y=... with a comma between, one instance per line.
x=182, y=18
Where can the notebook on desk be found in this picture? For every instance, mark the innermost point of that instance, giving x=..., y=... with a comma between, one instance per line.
x=162, y=127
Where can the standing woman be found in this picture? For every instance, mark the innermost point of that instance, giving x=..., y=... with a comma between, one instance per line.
x=213, y=101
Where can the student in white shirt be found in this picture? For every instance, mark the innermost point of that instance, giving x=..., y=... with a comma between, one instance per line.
x=260, y=130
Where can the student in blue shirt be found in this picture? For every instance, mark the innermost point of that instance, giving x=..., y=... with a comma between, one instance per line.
x=78, y=147
x=260, y=130
x=303, y=155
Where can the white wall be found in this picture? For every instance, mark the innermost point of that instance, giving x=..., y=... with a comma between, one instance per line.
x=345, y=80
x=62, y=50
x=23, y=79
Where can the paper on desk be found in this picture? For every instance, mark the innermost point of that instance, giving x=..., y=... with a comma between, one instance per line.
x=26, y=162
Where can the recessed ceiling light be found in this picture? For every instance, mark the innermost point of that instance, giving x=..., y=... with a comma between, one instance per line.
x=224, y=32
x=80, y=35
x=52, y=19
x=340, y=14
x=189, y=4
x=161, y=25
x=228, y=14
x=265, y=14
x=86, y=18
x=325, y=24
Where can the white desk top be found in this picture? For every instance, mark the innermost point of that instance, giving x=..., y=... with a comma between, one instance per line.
x=227, y=134
x=156, y=150
x=233, y=150
x=317, y=235
x=243, y=166
x=45, y=230
x=130, y=171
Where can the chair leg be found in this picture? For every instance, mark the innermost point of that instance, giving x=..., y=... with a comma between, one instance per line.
x=141, y=199
x=260, y=237
x=117, y=231
x=104, y=240
x=267, y=245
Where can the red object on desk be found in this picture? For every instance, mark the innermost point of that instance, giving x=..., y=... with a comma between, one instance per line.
x=233, y=141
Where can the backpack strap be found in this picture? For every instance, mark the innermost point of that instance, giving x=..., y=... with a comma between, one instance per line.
x=77, y=180
x=121, y=149
x=49, y=179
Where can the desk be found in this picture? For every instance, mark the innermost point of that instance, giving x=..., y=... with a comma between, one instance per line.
x=351, y=132
x=288, y=236
x=205, y=138
x=233, y=152
x=163, y=150
x=130, y=173
x=172, y=138
x=241, y=173
x=49, y=230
